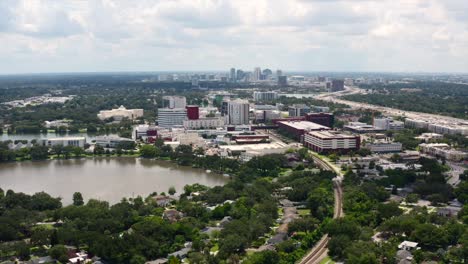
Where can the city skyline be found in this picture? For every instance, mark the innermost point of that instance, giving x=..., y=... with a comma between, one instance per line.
x=308, y=36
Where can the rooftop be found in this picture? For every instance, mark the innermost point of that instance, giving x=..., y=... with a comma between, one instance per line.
x=304, y=125
x=331, y=135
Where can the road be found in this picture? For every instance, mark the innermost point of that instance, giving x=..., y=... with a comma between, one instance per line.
x=319, y=251
x=334, y=97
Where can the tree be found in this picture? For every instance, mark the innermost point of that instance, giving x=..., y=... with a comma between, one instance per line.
x=363, y=152
x=98, y=150
x=23, y=251
x=172, y=190
x=137, y=259
x=231, y=244
x=148, y=151
x=59, y=252
x=42, y=201
x=264, y=257
x=333, y=157
x=77, y=199
x=77, y=152
x=58, y=150
x=462, y=192
x=388, y=210
x=412, y=198
x=39, y=153
x=338, y=245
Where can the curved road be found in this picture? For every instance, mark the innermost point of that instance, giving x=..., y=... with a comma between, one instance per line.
x=320, y=250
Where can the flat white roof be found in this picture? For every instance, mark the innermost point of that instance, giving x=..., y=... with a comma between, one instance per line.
x=306, y=125
x=330, y=134
x=408, y=244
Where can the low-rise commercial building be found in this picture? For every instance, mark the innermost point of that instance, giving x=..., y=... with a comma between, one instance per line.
x=266, y=115
x=298, y=110
x=120, y=113
x=57, y=123
x=439, y=126
x=324, y=119
x=384, y=147
x=190, y=138
x=204, y=123
x=297, y=129
x=144, y=132
x=387, y=123
x=443, y=150
x=111, y=141
x=429, y=136
x=65, y=141
x=331, y=141
x=361, y=128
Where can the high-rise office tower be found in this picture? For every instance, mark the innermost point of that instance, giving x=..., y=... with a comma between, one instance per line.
x=337, y=85
x=282, y=80
x=232, y=75
x=240, y=74
x=257, y=74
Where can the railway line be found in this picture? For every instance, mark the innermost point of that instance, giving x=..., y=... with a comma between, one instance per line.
x=320, y=249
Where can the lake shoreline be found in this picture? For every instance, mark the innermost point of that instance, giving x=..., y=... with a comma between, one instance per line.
x=102, y=177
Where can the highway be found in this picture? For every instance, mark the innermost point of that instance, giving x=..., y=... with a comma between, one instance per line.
x=334, y=97
x=319, y=251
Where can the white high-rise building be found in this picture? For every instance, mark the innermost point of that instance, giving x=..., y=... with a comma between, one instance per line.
x=171, y=117
x=238, y=112
x=175, y=101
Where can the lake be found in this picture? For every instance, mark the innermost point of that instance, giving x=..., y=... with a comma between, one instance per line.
x=107, y=179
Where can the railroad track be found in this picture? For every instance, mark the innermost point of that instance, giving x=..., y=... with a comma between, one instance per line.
x=317, y=252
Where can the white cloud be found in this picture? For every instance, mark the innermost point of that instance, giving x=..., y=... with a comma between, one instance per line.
x=357, y=35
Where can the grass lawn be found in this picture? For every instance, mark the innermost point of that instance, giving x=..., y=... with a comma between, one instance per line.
x=303, y=212
x=214, y=248
x=280, y=211
x=327, y=260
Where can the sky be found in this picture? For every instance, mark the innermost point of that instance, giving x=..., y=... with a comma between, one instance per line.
x=39, y=36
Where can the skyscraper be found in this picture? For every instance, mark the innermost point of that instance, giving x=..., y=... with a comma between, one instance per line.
x=257, y=74
x=240, y=74
x=282, y=80
x=279, y=73
x=232, y=75
x=337, y=85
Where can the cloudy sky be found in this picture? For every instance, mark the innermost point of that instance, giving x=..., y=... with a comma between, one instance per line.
x=308, y=35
